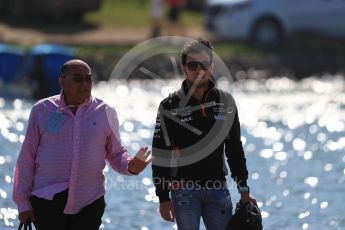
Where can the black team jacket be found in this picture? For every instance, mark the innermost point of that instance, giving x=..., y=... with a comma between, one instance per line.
x=180, y=126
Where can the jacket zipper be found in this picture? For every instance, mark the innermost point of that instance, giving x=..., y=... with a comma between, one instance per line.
x=203, y=111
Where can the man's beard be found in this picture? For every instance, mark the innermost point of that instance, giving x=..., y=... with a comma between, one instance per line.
x=200, y=84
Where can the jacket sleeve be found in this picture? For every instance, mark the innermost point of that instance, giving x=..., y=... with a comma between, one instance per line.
x=116, y=153
x=161, y=149
x=235, y=154
x=25, y=166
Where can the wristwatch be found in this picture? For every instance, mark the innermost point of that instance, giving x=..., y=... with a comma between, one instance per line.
x=243, y=189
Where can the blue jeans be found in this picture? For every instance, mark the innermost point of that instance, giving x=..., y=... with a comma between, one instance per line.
x=212, y=204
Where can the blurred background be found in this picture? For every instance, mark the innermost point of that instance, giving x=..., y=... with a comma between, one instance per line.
x=286, y=60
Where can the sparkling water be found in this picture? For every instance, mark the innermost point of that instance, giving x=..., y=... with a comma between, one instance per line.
x=293, y=136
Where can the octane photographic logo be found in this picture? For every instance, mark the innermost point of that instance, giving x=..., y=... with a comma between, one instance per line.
x=225, y=108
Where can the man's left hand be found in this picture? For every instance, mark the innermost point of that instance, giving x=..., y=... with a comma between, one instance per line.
x=140, y=161
x=245, y=198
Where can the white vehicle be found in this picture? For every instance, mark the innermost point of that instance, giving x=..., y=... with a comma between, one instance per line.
x=269, y=21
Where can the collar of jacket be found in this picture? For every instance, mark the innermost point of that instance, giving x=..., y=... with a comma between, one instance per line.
x=62, y=103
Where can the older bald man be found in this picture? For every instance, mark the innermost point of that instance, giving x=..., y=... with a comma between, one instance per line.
x=59, y=180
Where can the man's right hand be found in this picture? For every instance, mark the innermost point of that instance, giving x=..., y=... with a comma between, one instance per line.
x=27, y=216
x=140, y=161
x=167, y=211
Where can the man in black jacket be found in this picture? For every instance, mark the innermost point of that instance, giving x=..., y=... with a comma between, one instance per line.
x=195, y=126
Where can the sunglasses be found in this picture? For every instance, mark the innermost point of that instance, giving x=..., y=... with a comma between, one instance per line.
x=79, y=78
x=193, y=65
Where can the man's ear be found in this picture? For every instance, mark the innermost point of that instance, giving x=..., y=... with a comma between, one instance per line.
x=211, y=68
x=184, y=69
x=61, y=82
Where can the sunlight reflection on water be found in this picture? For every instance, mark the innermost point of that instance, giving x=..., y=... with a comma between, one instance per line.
x=293, y=135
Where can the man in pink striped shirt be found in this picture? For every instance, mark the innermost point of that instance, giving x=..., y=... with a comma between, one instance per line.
x=59, y=180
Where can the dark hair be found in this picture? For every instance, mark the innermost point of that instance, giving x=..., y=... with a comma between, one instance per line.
x=193, y=47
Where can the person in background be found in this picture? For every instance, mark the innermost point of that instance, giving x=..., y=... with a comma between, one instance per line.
x=157, y=7
x=175, y=8
x=59, y=180
x=197, y=188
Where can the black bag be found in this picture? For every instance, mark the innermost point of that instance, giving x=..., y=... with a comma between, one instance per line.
x=247, y=217
x=25, y=226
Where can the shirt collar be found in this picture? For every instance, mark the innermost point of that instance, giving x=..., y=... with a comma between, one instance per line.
x=62, y=103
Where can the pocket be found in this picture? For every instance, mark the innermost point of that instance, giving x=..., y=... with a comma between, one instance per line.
x=221, y=197
x=187, y=209
x=40, y=204
x=227, y=200
x=180, y=194
x=182, y=199
x=100, y=206
x=97, y=206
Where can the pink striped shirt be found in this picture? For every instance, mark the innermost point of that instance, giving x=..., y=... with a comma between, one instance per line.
x=70, y=155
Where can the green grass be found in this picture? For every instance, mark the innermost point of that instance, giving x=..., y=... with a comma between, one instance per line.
x=121, y=13
x=131, y=14
x=229, y=49
x=191, y=18
x=99, y=52
x=224, y=50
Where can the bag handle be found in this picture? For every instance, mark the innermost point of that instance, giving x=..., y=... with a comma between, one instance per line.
x=26, y=225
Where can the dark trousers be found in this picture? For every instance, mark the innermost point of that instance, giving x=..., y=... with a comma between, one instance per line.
x=49, y=214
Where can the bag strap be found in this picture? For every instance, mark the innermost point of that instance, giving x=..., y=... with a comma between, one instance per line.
x=21, y=225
